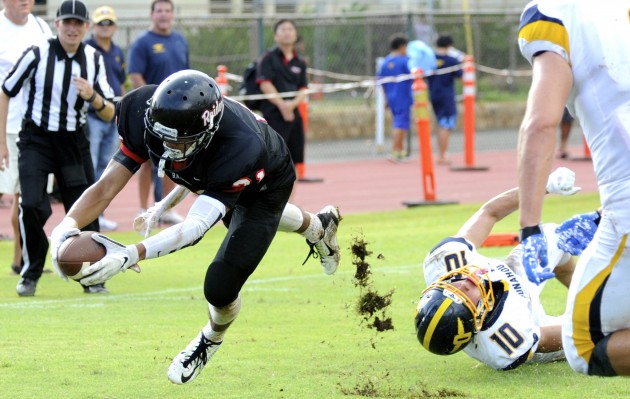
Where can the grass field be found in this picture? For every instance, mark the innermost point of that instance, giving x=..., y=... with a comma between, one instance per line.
x=298, y=335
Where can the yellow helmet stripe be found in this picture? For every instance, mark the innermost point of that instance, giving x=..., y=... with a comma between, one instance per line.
x=434, y=322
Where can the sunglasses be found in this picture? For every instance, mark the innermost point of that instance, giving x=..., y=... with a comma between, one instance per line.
x=105, y=22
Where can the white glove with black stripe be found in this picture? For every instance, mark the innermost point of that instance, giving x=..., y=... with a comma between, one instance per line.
x=118, y=259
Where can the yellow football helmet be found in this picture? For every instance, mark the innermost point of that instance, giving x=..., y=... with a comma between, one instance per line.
x=446, y=318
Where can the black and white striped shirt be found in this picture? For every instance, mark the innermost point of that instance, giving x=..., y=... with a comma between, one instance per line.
x=46, y=71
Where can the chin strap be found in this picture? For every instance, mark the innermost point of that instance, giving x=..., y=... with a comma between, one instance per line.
x=166, y=155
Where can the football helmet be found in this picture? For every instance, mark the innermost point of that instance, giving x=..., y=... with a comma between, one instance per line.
x=184, y=115
x=446, y=318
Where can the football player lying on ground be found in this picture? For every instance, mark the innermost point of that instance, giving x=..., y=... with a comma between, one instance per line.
x=488, y=307
x=226, y=154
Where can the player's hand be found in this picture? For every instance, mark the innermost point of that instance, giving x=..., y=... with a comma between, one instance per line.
x=67, y=228
x=148, y=220
x=118, y=259
x=577, y=232
x=534, y=255
x=562, y=181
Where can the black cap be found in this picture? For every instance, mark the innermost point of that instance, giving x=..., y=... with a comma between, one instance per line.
x=74, y=9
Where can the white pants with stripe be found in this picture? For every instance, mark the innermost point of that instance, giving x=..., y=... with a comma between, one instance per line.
x=598, y=302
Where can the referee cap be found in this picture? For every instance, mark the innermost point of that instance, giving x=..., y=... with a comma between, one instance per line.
x=72, y=9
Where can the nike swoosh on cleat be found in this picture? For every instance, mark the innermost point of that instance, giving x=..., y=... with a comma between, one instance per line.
x=186, y=378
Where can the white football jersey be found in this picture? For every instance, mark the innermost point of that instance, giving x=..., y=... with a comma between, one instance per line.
x=511, y=332
x=598, y=52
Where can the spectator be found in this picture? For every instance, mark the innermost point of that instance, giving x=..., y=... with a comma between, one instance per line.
x=281, y=70
x=103, y=134
x=565, y=131
x=580, y=58
x=215, y=147
x=442, y=93
x=19, y=29
x=153, y=56
x=398, y=94
x=61, y=78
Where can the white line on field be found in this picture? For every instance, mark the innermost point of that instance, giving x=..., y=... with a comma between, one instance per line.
x=99, y=301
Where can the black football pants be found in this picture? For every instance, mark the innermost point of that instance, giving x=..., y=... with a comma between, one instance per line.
x=67, y=156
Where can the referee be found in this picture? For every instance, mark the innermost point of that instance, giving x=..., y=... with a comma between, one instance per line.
x=61, y=78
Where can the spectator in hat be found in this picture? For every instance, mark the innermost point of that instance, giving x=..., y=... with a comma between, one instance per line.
x=103, y=134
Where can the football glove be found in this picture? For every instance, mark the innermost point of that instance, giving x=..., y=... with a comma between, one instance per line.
x=576, y=233
x=148, y=220
x=562, y=181
x=534, y=248
x=118, y=259
x=67, y=228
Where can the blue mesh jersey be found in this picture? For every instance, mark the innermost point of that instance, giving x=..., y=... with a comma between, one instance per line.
x=244, y=157
x=399, y=95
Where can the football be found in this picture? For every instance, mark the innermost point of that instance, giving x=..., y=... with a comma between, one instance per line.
x=78, y=252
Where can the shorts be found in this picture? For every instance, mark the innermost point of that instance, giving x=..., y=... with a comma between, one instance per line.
x=401, y=118
x=448, y=122
x=9, y=177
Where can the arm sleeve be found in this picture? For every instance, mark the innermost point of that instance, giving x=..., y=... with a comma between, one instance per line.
x=205, y=213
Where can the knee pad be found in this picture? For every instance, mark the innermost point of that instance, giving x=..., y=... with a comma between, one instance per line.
x=223, y=284
x=599, y=364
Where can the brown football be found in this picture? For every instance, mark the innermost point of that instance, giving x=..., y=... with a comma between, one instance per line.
x=78, y=252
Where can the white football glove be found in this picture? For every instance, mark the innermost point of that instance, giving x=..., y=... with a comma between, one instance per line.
x=148, y=220
x=118, y=259
x=561, y=181
x=67, y=228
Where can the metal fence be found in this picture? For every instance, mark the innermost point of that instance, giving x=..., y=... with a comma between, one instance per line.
x=349, y=44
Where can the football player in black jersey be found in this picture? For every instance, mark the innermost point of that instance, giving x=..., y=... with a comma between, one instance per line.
x=234, y=162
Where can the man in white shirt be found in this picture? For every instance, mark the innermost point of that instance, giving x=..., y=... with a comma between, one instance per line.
x=19, y=29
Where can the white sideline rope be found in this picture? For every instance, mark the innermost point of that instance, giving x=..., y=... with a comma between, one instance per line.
x=367, y=82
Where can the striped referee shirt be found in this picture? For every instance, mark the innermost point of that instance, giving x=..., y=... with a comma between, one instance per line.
x=45, y=72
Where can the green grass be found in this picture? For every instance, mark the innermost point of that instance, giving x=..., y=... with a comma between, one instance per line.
x=298, y=335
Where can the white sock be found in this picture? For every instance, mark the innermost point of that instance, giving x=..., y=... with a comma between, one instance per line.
x=221, y=316
x=291, y=219
x=315, y=231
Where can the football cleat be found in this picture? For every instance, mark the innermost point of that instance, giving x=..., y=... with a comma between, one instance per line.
x=327, y=249
x=187, y=365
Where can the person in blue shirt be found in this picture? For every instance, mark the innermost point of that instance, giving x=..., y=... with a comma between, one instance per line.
x=398, y=94
x=153, y=56
x=104, y=135
x=442, y=94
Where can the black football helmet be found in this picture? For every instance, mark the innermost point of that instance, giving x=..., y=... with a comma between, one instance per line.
x=446, y=318
x=184, y=114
